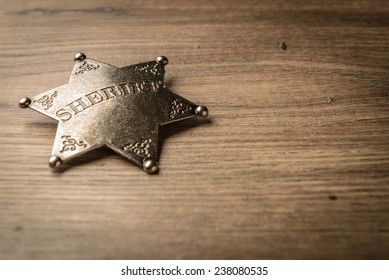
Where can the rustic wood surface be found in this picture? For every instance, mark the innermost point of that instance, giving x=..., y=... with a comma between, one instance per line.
x=293, y=164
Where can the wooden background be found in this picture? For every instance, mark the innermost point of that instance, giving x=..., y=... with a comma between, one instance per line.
x=294, y=162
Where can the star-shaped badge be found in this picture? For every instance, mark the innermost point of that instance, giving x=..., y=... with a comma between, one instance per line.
x=118, y=107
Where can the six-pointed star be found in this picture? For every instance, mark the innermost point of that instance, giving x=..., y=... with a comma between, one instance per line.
x=121, y=108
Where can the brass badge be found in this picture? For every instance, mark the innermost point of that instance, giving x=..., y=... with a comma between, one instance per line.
x=119, y=107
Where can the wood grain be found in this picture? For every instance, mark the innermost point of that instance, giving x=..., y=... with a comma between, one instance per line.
x=294, y=163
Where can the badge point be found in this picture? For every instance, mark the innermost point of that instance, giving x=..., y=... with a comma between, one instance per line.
x=162, y=60
x=150, y=166
x=24, y=102
x=79, y=57
x=55, y=161
x=201, y=111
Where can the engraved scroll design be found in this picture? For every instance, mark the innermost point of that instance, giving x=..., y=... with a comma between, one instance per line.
x=86, y=66
x=178, y=108
x=148, y=69
x=46, y=101
x=140, y=148
x=70, y=144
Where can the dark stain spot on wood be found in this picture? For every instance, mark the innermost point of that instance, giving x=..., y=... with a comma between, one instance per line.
x=332, y=197
x=99, y=10
x=18, y=228
x=283, y=46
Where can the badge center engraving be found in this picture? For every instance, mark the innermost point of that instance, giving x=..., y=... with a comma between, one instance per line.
x=104, y=94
